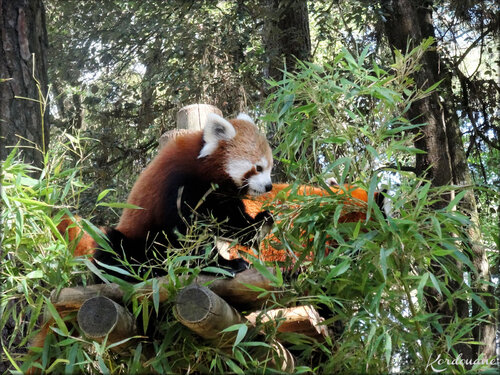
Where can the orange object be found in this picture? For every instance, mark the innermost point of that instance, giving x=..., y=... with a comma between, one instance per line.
x=356, y=199
x=80, y=241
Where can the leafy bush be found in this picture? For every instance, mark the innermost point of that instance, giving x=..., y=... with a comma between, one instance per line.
x=35, y=259
x=352, y=109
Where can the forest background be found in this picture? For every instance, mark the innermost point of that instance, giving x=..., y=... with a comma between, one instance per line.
x=394, y=94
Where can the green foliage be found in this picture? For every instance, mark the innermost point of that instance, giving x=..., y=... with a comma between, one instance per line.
x=346, y=118
x=375, y=280
x=375, y=277
x=35, y=259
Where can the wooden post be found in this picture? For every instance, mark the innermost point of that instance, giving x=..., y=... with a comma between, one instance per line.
x=194, y=116
x=189, y=118
x=99, y=317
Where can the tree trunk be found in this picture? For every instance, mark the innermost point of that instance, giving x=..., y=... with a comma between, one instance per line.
x=148, y=87
x=23, y=63
x=407, y=24
x=404, y=31
x=286, y=36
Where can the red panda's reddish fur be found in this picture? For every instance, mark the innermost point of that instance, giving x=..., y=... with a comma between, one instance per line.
x=146, y=192
x=81, y=243
x=181, y=153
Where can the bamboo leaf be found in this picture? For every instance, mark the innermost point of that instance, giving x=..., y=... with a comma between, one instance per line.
x=421, y=285
x=57, y=318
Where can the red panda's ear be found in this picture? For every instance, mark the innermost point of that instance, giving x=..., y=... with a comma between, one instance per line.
x=216, y=129
x=331, y=181
x=245, y=117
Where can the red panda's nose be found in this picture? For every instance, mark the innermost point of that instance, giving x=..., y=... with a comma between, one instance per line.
x=269, y=187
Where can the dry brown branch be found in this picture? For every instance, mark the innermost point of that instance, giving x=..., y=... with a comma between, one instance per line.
x=299, y=319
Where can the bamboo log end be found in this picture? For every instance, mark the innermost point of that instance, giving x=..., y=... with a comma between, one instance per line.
x=99, y=317
x=193, y=304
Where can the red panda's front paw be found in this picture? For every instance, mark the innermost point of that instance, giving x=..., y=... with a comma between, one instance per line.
x=265, y=218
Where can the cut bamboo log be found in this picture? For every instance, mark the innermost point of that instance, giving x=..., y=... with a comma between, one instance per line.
x=99, y=317
x=236, y=291
x=231, y=289
x=206, y=314
x=74, y=297
x=299, y=319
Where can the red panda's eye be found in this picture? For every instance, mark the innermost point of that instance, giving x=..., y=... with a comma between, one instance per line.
x=258, y=168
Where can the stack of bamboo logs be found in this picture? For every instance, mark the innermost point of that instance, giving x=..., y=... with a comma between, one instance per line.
x=205, y=307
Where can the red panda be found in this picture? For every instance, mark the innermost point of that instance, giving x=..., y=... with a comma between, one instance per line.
x=195, y=175
x=204, y=173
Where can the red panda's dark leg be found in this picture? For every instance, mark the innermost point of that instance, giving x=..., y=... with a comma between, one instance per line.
x=134, y=252
x=383, y=203
x=233, y=266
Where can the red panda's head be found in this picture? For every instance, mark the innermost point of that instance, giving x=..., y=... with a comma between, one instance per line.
x=240, y=150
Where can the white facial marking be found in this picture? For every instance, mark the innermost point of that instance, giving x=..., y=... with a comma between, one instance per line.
x=263, y=162
x=257, y=183
x=237, y=169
